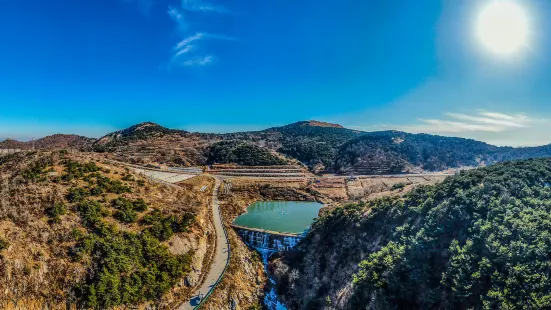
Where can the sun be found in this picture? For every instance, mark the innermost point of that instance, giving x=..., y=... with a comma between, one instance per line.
x=502, y=27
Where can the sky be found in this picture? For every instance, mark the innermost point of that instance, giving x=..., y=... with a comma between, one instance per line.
x=93, y=66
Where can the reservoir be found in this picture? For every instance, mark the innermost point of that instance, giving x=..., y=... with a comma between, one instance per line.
x=280, y=216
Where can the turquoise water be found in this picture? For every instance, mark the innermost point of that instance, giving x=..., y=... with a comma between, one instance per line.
x=280, y=216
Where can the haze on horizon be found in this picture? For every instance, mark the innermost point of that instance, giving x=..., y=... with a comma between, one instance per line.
x=92, y=67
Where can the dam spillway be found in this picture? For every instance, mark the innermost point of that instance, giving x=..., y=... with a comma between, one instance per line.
x=267, y=242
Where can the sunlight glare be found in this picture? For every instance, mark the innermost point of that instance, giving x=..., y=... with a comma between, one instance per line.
x=502, y=27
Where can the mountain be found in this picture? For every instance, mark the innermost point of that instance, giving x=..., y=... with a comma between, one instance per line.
x=323, y=147
x=57, y=141
x=478, y=240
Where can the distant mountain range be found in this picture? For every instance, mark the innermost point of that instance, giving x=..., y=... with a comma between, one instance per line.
x=50, y=142
x=323, y=147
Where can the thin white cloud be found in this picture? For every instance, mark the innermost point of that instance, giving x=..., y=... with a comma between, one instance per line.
x=184, y=53
x=202, y=6
x=520, y=121
x=186, y=41
x=497, y=115
x=184, y=48
x=483, y=121
x=198, y=61
x=178, y=16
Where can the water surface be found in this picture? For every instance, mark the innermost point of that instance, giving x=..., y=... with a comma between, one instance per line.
x=280, y=216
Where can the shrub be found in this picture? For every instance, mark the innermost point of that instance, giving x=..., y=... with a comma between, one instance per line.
x=397, y=186
x=77, y=194
x=57, y=210
x=139, y=205
x=91, y=212
x=127, y=209
x=76, y=170
x=163, y=227
x=3, y=244
x=128, y=177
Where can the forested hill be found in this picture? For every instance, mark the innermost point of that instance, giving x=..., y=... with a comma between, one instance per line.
x=478, y=240
x=397, y=152
x=311, y=142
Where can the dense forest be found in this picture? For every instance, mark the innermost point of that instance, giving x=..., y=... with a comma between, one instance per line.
x=312, y=145
x=242, y=153
x=478, y=240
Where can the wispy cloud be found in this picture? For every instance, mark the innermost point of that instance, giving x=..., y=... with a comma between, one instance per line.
x=183, y=14
x=198, y=61
x=482, y=121
x=184, y=53
x=178, y=16
x=202, y=6
x=186, y=41
x=183, y=48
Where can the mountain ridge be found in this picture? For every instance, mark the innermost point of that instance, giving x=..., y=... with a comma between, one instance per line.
x=323, y=147
x=54, y=141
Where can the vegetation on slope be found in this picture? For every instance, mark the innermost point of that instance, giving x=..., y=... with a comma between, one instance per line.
x=86, y=233
x=242, y=153
x=313, y=144
x=395, y=152
x=478, y=240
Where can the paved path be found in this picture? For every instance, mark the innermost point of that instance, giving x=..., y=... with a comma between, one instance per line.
x=170, y=177
x=221, y=255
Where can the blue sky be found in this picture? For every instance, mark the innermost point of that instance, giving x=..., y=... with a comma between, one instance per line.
x=93, y=66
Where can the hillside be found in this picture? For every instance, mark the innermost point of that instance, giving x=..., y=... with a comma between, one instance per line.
x=57, y=141
x=478, y=240
x=397, y=152
x=75, y=229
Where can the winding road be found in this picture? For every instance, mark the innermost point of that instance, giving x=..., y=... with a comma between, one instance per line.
x=221, y=256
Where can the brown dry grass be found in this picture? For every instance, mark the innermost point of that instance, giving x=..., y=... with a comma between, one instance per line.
x=36, y=269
